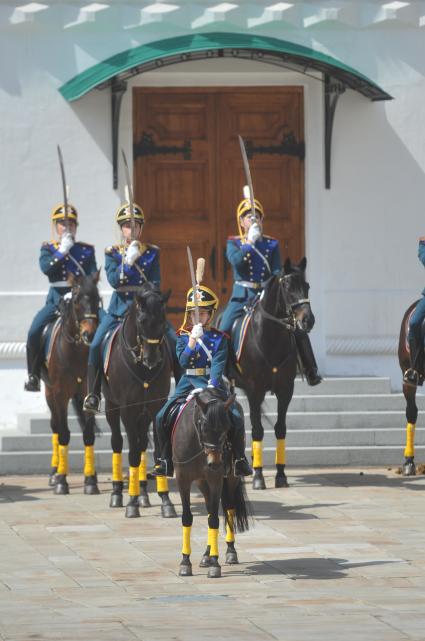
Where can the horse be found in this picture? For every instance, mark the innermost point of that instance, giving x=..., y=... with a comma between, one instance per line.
x=268, y=359
x=201, y=453
x=65, y=378
x=135, y=387
x=409, y=391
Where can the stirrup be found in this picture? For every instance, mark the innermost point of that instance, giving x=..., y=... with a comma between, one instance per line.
x=242, y=467
x=32, y=384
x=313, y=377
x=91, y=404
x=411, y=377
x=163, y=468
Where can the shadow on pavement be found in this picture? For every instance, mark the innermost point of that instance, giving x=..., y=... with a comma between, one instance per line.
x=353, y=479
x=309, y=568
x=14, y=493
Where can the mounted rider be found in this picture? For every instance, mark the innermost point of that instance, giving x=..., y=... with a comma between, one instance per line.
x=58, y=259
x=202, y=353
x=415, y=374
x=254, y=258
x=128, y=265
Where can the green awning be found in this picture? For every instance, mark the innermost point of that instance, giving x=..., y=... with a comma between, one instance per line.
x=192, y=47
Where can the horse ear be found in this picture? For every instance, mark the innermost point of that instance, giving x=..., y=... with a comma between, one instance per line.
x=287, y=266
x=303, y=264
x=165, y=296
x=95, y=276
x=201, y=404
x=229, y=402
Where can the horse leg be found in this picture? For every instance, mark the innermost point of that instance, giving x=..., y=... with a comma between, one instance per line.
x=55, y=440
x=255, y=401
x=214, y=570
x=187, y=520
x=134, y=451
x=229, y=508
x=61, y=406
x=409, y=468
x=113, y=418
x=87, y=423
x=205, y=561
x=167, y=508
x=143, y=478
x=284, y=395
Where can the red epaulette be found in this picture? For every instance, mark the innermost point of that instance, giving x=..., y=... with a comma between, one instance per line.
x=182, y=332
x=233, y=238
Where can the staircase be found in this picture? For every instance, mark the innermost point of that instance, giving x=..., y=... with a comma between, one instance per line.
x=342, y=421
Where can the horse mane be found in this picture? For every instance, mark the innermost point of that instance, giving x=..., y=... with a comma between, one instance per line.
x=216, y=414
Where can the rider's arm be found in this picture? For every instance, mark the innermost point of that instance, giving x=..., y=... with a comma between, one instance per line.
x=49, y=261
x=154, y=275
x=237, y=256
x=219, y=362
x=183, y=351
x=90, y=265
x=113, y=269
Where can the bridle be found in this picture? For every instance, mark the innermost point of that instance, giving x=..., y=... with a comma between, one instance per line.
x=78, y=337
x=137, y=350
x=289, y=321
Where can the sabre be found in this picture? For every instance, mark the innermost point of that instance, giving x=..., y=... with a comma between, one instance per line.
x=64, y=187
x=194, y=283
x=247, y=173
x=130, y=196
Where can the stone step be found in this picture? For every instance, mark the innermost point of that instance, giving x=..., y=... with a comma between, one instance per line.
x=345, y=385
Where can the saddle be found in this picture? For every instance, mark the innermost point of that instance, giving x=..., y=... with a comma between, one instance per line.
x=48, y=338
x=172, y=414
x=106, y=347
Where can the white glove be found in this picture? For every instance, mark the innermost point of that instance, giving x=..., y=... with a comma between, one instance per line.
x=132, y=253
x=66, y=242
x=254, y=232
x=197, y=331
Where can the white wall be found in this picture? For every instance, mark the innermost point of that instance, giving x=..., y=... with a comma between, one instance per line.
x=361, y=236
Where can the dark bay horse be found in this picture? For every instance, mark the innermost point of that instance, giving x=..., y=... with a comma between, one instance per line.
x=268, y=361
x=408, y=468
x=136, y=386
x=201, y=453
x=65, y=378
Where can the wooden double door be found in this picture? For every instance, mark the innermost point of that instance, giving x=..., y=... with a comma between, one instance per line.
x=188, y=174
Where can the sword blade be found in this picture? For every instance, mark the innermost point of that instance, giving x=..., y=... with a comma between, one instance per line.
x=194, y=283
x=65, y=195
x=130, y=195
x=247, y=173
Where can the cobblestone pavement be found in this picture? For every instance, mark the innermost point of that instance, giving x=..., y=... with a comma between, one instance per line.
x=338, y=556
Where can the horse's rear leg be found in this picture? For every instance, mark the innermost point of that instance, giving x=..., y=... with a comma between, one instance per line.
x=187, y=520
x=409, y=468
x=167, y=508
x=228, y=498
x=87, y=423
x=255, y=401
x=55, y=440
x=113, y=418
x=284, y=395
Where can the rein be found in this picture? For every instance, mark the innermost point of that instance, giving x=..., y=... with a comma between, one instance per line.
x=289, y=321
x=197, y=426
x=77, y=338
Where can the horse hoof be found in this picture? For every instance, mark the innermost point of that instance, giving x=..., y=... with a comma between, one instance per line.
x=281, y=481
x=91, y=489
x=116, y=500
x=205, y=562
x=52, y=479
x=258, y=483
x=409, y=468
x=214, y=572
x=185, y=570
x=61, y=488
x=144, y=501
x=132, y=511
x=232, y=558
x=168, y=511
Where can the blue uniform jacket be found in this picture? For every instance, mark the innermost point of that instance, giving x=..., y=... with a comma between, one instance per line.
x=421, y=255
x=120, y=275
x=248, y=266
x=216, y=343
x=57, y=266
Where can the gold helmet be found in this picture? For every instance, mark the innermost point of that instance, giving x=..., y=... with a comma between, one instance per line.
x=244, y=207
x=206, y=298
x=58, y=213
x=123, y=214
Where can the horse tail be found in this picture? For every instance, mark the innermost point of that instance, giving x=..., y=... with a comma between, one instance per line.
x=234, y=496
x=77, y=404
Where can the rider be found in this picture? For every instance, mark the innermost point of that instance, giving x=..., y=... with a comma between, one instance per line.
x=57, y=260
x=202, y=352
x=127, y=266
x=254, y=258
x=414, y=375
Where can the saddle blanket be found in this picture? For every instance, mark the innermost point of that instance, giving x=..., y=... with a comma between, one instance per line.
x=107, y=347
x=239, y=330
x=49, y=337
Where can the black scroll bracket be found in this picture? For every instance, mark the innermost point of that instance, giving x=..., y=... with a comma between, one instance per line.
x=332, y=92
x=147, y=146
x=288, y=147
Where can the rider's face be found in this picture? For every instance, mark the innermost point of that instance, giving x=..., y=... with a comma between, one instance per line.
x=204, y=317
x=61, y=227
x=248, y=220
x=126, y=230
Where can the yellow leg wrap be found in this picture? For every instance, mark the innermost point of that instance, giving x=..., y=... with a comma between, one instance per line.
x=89, y=469
x=230, y=533
x=63, y=459
x=257, y=454
x=280, y=458
x=186, y=539
x=133, y=482
x=55, y=450
x=143, y=467
x=161, y=484
x=117, y=467
x=410, y=440
x=213, y=541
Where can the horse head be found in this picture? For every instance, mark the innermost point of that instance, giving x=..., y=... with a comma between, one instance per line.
x=81, y=310
x=213, y=423
x=151, y=323
x=294, y=289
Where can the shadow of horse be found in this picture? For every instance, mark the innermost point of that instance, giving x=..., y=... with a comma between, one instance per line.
x=309, y=567
x=354, y=479
x=15, y=493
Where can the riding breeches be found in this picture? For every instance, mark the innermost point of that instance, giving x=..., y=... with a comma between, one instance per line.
x=108, y=322
x=46, y=315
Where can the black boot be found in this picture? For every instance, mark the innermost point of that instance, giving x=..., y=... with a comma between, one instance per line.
x=164, y=465
x=94, y=382
x=237, y=437
x=308, y=361
x=413, y=376
x=34, y=369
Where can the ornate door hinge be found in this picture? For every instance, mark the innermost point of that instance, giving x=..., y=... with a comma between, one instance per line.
x=147, y=146
x=288, y=147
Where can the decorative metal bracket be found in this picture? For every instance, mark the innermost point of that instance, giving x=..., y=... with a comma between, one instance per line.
x=288, y=147
x=118, y=89
x=332, y=91
x=148, y=147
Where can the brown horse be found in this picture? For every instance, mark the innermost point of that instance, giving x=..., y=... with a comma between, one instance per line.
x=136, y=386
x=202, y=453
x=409, y=391
x=65, y=378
